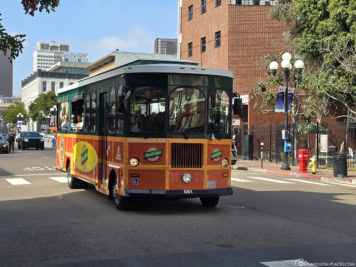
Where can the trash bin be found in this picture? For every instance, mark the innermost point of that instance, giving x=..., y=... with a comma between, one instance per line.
x=340, y=165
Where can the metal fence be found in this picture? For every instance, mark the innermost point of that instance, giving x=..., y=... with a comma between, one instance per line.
x=323, y=141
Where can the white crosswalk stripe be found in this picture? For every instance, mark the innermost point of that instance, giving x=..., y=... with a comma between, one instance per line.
x=348, y=185
x=59, y=179
x=240, y=180
x=17, y=181
x=308, y=182
x=269, y=180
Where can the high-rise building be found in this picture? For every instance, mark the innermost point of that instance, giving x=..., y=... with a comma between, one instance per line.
x=6, y=73
x=165, y=46
x=47, y=54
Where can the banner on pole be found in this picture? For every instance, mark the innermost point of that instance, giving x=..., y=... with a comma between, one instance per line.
x=280, y=98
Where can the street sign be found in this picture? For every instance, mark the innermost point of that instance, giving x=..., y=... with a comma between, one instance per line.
x=324, y=143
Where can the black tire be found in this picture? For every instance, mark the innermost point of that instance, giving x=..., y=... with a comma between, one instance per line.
x=121, y=202
x=73, y=183
x=42, y=148
x=23, y=147
x=210, y=201
x=37, y=148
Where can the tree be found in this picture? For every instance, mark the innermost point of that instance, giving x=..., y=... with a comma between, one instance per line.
x=40, y=108
x=10, y=115
x=14, y=44
x=324, y=33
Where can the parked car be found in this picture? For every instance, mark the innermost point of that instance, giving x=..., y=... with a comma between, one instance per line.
x=30, y=139
x=4, y=145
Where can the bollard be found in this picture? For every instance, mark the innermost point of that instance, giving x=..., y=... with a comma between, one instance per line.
x=262, y=149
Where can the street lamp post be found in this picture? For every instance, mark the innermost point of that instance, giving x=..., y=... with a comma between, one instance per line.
x=20, y=117
x=287, y=67
x=53, y=111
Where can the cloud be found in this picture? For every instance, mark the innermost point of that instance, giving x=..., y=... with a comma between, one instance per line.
x=138, y=39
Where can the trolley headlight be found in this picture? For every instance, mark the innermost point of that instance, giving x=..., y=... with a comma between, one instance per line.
x=26, y=140
x=224, y=162
x=186, y=178
x=134, y=162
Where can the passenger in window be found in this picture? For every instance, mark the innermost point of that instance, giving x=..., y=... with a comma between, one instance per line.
x=74, y=123
x=80, y=122
x=65, y=123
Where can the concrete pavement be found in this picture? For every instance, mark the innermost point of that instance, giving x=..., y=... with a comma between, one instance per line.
x=272, y=167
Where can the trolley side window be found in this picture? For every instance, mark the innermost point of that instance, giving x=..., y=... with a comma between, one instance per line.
x=93, y=113
x=219, y=112
x=87, y=113
x=112, y=111
x=148, y=109
x=63, y=122
x=77, y=115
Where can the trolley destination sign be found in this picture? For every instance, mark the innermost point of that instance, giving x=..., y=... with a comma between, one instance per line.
x=152, y=154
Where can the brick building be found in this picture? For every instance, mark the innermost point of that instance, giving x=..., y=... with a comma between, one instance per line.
x=233, y=35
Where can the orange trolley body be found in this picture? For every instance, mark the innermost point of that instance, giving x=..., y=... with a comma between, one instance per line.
x=148, y=130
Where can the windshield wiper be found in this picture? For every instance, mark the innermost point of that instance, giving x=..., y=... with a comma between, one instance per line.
x=184, y=134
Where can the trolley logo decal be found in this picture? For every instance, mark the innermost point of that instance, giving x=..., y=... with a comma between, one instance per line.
x=153, y=154
x=85, y=157
x=215, y=156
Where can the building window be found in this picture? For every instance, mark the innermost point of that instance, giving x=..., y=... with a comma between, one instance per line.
x=190, y=49
x=53, y=86
x=203, y=6
x=217, y=39
x=44, y=86
x=61, y=85
x=217, y=3
x=203, y=44
x=190, y=12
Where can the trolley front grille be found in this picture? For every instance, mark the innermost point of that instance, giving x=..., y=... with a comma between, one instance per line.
x=186, y=155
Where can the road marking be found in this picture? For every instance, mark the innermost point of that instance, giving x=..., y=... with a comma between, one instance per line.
x=59, y=179
x=348, y=185
x=308, y=182
x=270, y=180
x=241, y=180
x=17, y=181
x=32, y=174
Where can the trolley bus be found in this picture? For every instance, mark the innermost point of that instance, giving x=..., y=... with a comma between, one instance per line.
x=148, y=130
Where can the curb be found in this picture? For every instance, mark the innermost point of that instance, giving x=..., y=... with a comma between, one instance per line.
x=300, y=175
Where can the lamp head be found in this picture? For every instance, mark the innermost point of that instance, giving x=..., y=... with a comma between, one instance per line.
x=273, y=66
x=286, y=64
x=299, y=64
x=286, y=56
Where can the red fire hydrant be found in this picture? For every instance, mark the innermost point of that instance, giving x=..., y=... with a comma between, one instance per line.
x=303, y=157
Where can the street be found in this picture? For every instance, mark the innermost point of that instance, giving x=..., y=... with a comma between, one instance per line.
x=270, y=220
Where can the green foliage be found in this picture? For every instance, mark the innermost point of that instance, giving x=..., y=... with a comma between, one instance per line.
x=323, y=32
x=14, y=44
x=265, y=95
x=40, y=108
x=10, y=115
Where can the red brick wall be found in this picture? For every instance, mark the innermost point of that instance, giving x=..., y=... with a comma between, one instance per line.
x=252, y=34
x=205, y=25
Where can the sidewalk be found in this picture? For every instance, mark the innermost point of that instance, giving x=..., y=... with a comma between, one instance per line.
x=273, y=167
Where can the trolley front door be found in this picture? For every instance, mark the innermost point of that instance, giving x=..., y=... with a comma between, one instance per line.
x=103, y=145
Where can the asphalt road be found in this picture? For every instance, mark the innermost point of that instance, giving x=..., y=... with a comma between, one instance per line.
x=269, y=220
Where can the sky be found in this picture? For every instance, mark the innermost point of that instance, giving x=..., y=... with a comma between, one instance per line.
x=96, y=27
